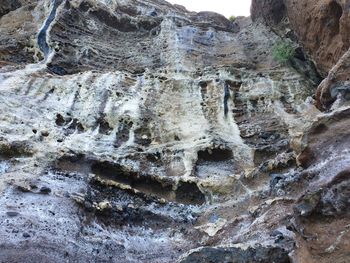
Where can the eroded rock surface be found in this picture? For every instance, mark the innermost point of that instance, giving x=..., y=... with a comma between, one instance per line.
x=137, y=131
x=322, y=27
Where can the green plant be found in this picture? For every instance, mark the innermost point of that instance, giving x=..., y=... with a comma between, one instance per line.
x=232, y=18
x=283, y=51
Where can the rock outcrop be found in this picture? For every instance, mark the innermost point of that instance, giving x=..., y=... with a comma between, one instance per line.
x=322, y=27
x=137, y=131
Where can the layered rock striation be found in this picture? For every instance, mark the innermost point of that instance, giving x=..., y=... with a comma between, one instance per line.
x=137, y=131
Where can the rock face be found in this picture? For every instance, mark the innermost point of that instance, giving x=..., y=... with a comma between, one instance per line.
x=335, y=88
x=137, y=131
x=322, y=27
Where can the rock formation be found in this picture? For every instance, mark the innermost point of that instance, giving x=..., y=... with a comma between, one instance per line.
x=138, y=131
x=323, y=29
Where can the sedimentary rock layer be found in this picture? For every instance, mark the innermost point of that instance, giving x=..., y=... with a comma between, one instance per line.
x=137, y=131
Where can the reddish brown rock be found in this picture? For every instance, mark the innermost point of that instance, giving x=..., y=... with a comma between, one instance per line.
x=269, y=11
x=336, y=86
x=321, y=26
x=327, y=137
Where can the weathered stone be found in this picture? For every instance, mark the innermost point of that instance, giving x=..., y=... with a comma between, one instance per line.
x=238, y=255
x=321, y=26
x=336, y=86
x=8, y=6
x=171, y=135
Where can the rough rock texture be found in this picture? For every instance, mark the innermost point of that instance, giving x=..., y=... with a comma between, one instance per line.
x=323, y=29
x=335, y=88
x=137, y=131
x=321, y=26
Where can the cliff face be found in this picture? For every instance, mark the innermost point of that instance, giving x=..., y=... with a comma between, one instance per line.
x=137, y=131
x=322, y=27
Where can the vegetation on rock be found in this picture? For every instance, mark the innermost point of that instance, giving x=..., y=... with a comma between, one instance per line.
x=283, y=51
x=232, y=18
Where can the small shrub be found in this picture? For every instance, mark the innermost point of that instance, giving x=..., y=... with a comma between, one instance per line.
x=232, y=18
x=283, y=51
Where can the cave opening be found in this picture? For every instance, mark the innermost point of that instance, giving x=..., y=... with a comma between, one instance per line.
x=189, y=193
x=185, y=193
x=214, y=155
x=111, y=171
